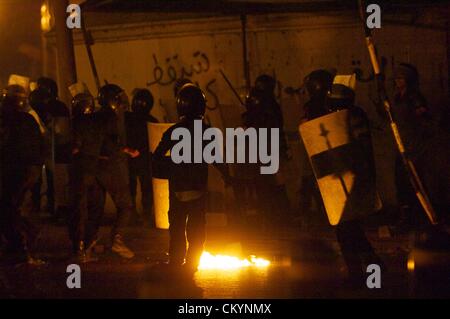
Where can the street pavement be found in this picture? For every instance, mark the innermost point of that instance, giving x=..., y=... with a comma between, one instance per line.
x=305, y=263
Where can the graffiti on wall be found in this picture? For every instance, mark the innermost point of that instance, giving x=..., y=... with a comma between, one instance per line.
x=171, y=70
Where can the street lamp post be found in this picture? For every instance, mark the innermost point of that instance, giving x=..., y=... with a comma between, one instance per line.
x=45, y=27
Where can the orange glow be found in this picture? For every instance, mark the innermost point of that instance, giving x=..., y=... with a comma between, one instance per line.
x=223, y=262
x=410, y=265
x=45, y=18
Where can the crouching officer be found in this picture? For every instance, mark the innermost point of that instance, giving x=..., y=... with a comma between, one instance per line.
x=187, y=184
x=87, y=194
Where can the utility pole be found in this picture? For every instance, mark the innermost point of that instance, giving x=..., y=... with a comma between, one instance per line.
x=244, y=52
x=67, y=74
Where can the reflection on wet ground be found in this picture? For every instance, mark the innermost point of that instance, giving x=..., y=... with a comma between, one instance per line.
x=304, y=264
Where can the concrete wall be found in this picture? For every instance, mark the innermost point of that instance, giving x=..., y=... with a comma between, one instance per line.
x=20, y=39
x=288, y=46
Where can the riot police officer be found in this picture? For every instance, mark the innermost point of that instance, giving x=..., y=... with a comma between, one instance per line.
x=317, y=84
x=112, y=172
x=413, y=118
x=137, y=138
x=356, y=249
x=264, y=90
x=187, y=184
x=272, y=201
x=263, y=111
x=21, y=160
x=38, y=100
x=87, y=194
x=56, y=116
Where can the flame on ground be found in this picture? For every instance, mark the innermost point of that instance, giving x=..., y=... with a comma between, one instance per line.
x=209, y=261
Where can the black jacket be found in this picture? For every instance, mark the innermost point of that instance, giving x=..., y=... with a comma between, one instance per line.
x=88, y=138
x=113, y=128
x=137, y=139
x=23, y=143
x=58, y=111
x=184, y=176
x=267, y=115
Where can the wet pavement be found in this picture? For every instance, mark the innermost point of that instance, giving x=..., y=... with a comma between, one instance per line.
x=304, y=264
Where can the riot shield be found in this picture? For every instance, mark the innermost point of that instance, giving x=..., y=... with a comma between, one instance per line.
x=160, y=185
x=339, y=148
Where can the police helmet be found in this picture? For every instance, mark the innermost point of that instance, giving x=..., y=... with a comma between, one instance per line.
x=83, y=104
x=191, y=102
x=109, y=96
x=265, y=83
x=179, y=84
x=142, y=102
x=318, y=83
x=48, y=85
x=340, y=97
x=38, y=100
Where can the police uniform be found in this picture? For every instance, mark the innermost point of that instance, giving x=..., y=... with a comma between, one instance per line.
x=112, y=172
x=263, y=111
x=87, y=198
x=355, y=156
x=187, y=197
x=137, y=139
x=22, y=157
x=187, y=184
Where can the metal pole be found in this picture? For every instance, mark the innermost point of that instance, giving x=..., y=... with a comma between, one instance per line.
x=448, y=51
x=87, y=43
x=231, y=87
x=44, y=54
x=414, y=178
x=67, y=73
x=244, y=51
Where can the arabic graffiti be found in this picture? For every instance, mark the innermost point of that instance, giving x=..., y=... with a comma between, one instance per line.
x=172, y=70
x=211, y=91
x=170, y=75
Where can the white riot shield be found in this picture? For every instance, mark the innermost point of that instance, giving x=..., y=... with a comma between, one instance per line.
x=340, y=151
x=160, y=186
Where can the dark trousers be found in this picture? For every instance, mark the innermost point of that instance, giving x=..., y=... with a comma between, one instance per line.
x=16, y=182
x=356, y=249
x=145, y=180
x=272, y=201
x=36, y=192
x=87, y=207
x=112, y=176
x=187, y=222
x=309, y=193
x=411, y=212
